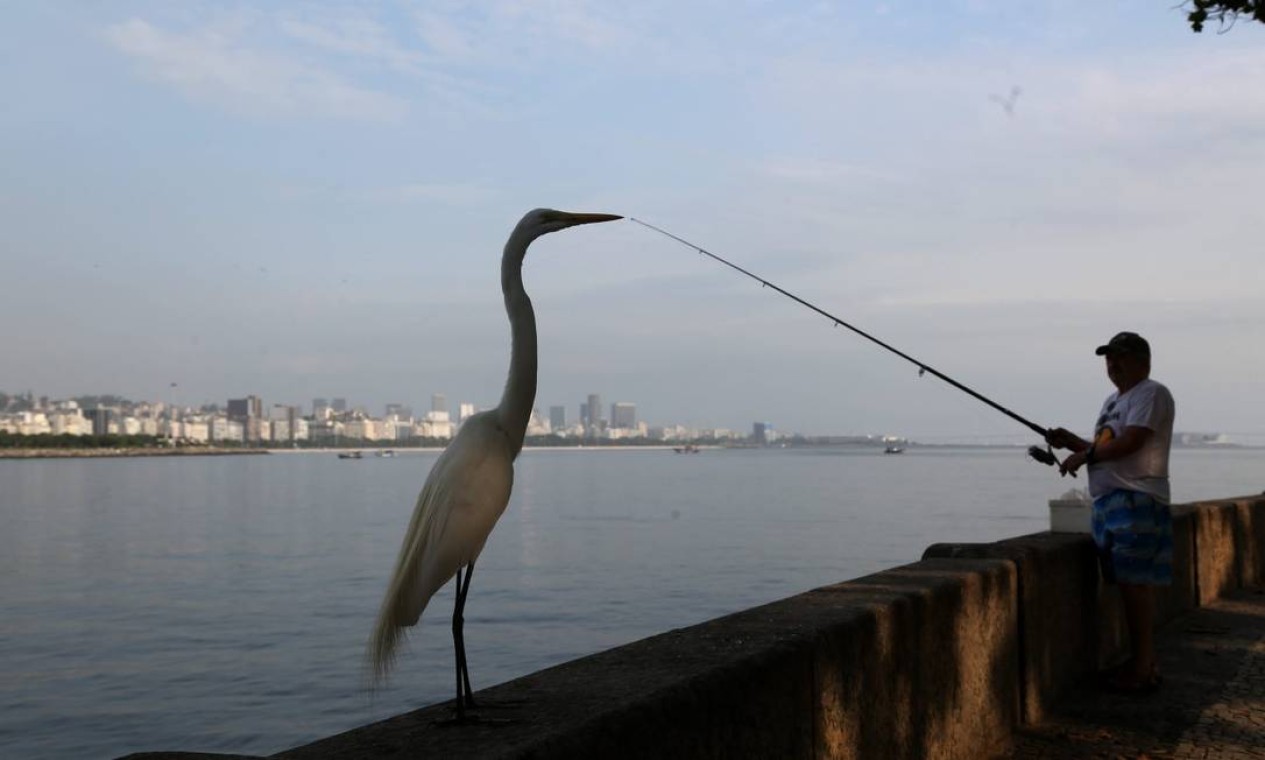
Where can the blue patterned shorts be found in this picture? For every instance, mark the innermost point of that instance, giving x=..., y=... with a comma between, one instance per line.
x=1134, y=535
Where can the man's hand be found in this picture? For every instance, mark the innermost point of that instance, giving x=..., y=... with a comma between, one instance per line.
x=1073, y=463
x=1062, y=438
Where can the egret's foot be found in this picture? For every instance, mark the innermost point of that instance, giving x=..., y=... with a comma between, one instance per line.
x=495, y=704
x=473, y=719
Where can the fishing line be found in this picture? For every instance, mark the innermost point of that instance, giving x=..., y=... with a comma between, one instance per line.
x=922, y=367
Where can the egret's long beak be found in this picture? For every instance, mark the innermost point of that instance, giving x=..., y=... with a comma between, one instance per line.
x=572, y=219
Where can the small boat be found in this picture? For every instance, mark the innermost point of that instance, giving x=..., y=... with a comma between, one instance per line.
x=350, y=455
x=385, y=452
x=688, y=448
x=894, y=450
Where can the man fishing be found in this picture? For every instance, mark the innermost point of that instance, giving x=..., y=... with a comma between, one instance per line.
x=1128, y=480
x=1128, y=476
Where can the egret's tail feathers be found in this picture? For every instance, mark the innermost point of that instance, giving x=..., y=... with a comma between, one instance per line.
x=401, y=609
x=412, y=585
x=382, y=646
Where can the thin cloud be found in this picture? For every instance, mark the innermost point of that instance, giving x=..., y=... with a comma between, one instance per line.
x=1140, y=166
x=828, y=172
x=440, y=193
x=455, y=194
x=1170, y=97
x=357, y=36
x=509, y=35
x=444, y=37
x=430, y=55
x=574, y=23
x=213, y=68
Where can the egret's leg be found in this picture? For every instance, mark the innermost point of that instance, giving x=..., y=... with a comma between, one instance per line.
x=458, y=647
x=465, y=694
x=465, y=664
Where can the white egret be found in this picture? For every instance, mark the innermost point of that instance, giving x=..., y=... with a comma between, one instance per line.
x=469, y=486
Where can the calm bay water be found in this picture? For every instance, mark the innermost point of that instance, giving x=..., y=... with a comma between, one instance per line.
x=222, y=604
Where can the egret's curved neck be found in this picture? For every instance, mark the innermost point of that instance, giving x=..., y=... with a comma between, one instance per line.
x=520, y=388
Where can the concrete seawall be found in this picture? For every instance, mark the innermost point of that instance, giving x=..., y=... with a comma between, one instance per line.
x=942, y=658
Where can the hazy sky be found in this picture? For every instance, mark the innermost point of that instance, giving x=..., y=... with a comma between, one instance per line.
x=299, y=200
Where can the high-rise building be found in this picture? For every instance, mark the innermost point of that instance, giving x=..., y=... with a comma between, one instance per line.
x=623, y=415
x=318, y=404
x=438, y=402
x=249, y=412
x=101, y=418
x=594, y=407
x=557, y=417
x=339, y=405
x=240, y=408
x=284, y=419
x=760, y=432
x=399, y=410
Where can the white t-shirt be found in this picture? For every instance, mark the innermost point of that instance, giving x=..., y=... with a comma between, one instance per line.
x=1149, y=405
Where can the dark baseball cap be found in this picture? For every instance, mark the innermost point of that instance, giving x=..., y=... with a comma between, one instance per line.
x=1125, y=343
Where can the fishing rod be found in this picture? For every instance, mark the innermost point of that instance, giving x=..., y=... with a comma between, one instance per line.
x=1045, y=457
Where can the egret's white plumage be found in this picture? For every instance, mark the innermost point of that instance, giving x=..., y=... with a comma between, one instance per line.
x=464, y=496
x=470, y=484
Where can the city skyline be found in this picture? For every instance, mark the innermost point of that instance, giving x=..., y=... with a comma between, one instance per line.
x=252, y=416
x=284, y=200
x=622, y=422
x=438, y=402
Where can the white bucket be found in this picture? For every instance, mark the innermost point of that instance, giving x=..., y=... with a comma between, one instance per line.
x=1071, y=513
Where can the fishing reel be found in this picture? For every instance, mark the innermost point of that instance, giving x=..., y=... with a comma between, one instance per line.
x=1046, y=456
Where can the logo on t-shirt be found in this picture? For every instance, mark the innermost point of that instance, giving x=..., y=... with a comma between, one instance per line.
x=1103, y=431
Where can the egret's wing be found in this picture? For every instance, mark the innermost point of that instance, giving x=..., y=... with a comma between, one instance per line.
x=465, y=494
x=474, y=492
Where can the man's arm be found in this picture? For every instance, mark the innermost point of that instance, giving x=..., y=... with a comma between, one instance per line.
x=1062, y=438
x=1129, y=441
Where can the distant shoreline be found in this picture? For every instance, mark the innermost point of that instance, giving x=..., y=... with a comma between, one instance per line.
x=114, y=453
x=432, y=449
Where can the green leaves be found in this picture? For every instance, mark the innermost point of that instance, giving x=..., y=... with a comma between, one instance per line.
x=1226, y=12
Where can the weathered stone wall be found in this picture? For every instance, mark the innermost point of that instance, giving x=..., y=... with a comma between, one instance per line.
x=938, y=659
x=1230, y=545
x=1058, y=602
x=918, y=661
x=1071, y=623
